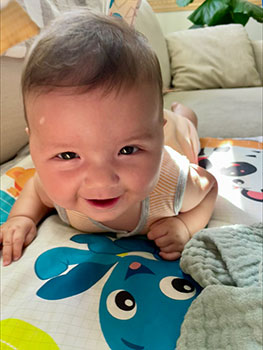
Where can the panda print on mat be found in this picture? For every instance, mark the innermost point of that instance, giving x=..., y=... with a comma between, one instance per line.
x=238, y=170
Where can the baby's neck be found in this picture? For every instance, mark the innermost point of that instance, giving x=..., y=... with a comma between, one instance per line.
x=127, y=221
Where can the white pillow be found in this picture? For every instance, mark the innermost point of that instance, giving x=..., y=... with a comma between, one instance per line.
x=212, y=57
x=147, y=23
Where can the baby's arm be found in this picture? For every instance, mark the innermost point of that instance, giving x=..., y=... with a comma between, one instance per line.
x=20, y=228
x=171, y=234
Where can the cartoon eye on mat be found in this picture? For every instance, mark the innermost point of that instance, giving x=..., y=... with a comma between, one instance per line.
x=121, y=304
x=238, y=169
x=177, y=288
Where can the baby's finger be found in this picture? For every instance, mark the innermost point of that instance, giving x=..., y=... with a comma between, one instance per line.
x=30, y=236
x=156, y=233
x=18, y=243
x=170, y=248
x=170, y=256
x=7, y=248
x=164, y=241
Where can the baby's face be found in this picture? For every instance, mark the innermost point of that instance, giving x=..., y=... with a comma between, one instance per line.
x=99, y=155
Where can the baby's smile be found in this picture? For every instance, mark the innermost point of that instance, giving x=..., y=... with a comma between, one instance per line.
x=103, y=203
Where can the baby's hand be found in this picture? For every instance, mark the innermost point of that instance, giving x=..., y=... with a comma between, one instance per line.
x=16, y=233
x=170, y=235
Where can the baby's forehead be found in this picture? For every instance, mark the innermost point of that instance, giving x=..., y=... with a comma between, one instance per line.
x=40, y=97
x=45, y=93
x=39, y=103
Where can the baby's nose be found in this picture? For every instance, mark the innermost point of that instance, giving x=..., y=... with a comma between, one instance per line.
x=101, y=176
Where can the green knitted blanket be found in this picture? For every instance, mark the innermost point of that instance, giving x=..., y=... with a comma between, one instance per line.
x=228, y=314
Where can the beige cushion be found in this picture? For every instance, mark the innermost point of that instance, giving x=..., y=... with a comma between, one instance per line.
x=13, y=135
x=147, y=23
x=258, y=52
x=223, y=112
x=212, y=57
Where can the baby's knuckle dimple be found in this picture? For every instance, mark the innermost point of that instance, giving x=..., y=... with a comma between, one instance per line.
x=7, y=241
x=17, y=239
x=17, y=227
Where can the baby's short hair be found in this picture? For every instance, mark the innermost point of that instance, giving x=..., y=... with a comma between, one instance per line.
x=83, y=50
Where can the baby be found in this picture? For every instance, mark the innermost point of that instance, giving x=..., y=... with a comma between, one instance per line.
x=92, y=90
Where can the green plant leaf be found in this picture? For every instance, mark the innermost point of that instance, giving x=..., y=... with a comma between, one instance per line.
x=182, y=3
x=212, y=12
x=246, y=8
x=240, y=18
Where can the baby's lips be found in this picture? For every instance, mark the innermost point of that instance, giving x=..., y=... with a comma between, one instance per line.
x=104, y=203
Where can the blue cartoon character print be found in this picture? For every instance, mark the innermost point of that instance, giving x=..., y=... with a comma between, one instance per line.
x=143, y=301
x=143, y=304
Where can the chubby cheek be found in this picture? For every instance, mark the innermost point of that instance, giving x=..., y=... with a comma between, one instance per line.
x=145, y=176
x=60, y=189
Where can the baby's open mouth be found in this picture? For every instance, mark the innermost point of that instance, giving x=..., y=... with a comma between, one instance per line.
x=104, y=203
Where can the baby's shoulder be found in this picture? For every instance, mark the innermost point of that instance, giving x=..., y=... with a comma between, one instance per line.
x=173, y=158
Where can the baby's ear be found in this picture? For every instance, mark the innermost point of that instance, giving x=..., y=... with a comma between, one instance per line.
x=27, y=131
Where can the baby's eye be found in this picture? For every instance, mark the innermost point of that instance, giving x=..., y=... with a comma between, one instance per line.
x=128, y=150
x=67, y=155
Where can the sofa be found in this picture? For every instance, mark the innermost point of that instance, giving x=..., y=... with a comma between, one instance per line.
x=72, y=290
x=216, y=71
